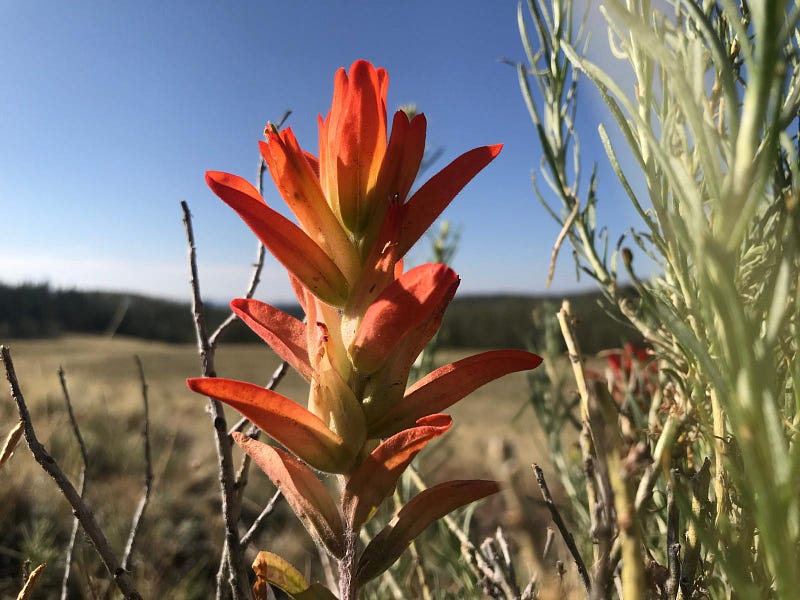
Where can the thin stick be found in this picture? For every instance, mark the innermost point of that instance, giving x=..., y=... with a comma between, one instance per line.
x=230, y=507
x=84, y=514
x=255, y=279
x=148, y=472
x=81, y=483
x=562, y=527
x=247, y=538
x=562, y=235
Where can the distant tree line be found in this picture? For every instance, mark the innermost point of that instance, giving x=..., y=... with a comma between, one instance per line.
x=500, y=321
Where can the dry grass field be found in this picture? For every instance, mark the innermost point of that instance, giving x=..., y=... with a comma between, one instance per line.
x=181, y=534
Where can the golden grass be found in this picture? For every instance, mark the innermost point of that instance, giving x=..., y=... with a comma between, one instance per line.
x=182, y=524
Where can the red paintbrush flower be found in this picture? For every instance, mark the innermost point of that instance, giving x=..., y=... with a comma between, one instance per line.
x=366, y=321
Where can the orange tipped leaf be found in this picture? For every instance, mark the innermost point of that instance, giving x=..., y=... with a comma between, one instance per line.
x=432, y=198
x=445, y=386
x=290, y=244
x=422, y=510
x=301, y=431
x=285, y=334
x=377, y=476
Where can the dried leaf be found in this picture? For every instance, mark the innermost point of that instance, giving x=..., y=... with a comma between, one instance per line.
x=27, y=591
x=12, y=439
x=272, y=569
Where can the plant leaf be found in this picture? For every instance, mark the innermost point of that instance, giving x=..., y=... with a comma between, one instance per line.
x=447, y=385
x=290, y=244
x=301, y=431
x=271, y=568
x=308, y=497
x=422, y=510
x=285, y=334
x=377, y=476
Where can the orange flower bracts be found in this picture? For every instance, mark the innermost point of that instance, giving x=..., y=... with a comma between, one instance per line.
x=366, y=322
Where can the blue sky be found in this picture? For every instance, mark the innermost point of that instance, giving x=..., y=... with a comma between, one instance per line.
x=112, y=112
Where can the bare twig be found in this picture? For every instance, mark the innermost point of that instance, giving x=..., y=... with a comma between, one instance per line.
x=255, y=279
x=232, y=553
x=72, y=420
x=148, y=471
x=247, y=538
x=548, y=542
x=672, y=584
x=81, y=510
x=81, y=483
x=568, y=222
x=562, y=527
x=502, y=582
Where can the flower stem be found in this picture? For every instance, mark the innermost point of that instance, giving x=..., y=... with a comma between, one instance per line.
x=348, y=587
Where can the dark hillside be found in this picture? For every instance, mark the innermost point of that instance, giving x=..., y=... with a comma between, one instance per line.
x=498, y=321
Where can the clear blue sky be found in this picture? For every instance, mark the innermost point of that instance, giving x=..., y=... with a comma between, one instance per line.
x=112, y=112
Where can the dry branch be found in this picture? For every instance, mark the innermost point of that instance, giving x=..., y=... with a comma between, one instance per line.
x=562, y=527
x=83, y=513
x=81, y=483
x=230, y=507
x=148, y=471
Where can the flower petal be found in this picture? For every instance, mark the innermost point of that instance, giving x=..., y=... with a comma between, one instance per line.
x=359, y=140
x=404, y=304
x=377, y=476
x=387, y=386
x=398, y=170
x=309, y=499
x=445, y=386
x=299, y=430
x=290, y=245
x=422, y=510
x=432, y=198
x=295, y=179
x=285, y=334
